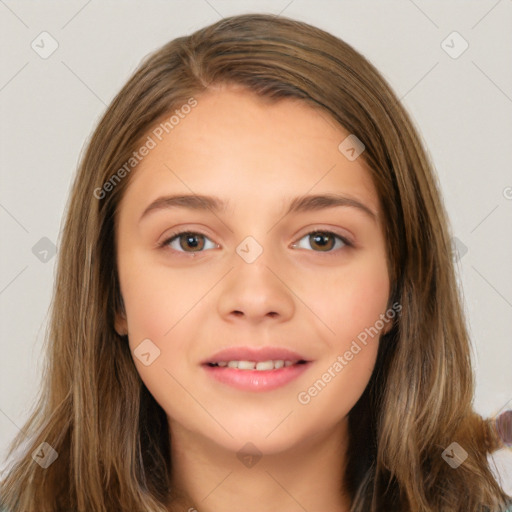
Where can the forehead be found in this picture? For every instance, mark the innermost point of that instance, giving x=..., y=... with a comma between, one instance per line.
x=235, y=144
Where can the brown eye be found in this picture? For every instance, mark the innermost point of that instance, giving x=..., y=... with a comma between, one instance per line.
x=324, y=241
x=191, y=240
x=188, y=242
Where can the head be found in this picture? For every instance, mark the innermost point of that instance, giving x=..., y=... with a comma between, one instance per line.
x=189, y=299
x=266, y=114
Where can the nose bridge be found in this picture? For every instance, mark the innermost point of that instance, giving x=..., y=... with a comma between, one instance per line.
x=256, y=287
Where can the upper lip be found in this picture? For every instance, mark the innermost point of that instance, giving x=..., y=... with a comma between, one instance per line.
x=254, y=354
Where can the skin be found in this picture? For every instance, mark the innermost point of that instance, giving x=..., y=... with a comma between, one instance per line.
x=257, y=156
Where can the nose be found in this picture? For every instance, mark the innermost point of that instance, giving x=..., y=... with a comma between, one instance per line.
x=257, y=292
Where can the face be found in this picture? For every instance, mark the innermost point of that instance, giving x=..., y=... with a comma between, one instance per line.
x=252, y=281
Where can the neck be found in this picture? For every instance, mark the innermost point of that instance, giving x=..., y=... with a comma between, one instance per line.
x=309, y=477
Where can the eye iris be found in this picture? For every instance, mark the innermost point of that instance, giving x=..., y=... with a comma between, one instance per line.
x=191, y=239
x=322, y=240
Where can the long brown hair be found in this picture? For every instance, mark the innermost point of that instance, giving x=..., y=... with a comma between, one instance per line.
x=112, y=437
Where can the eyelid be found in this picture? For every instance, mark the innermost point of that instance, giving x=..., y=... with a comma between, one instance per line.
x=347, y=243
x=347, y=238
x=164, y=244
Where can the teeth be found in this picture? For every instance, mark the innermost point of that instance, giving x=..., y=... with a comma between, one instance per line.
x=246, y=365
x=264, y=365
x=253, y=365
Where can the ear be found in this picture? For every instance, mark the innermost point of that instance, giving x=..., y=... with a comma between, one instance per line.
x=121, y=324
x=389, y=323
x=387, y=327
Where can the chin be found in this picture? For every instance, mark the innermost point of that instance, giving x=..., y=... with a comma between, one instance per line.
x=266, y=435
x=255, y=442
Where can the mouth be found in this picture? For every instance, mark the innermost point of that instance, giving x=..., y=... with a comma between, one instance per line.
x=251, y=369
x=256, y=365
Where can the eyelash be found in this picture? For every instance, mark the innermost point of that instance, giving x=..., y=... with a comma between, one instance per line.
x=177, y=234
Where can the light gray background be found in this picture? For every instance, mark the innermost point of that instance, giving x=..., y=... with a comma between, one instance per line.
x=462, y=106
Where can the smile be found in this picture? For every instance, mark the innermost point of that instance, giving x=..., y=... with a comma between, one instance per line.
x=256, y=376
x=257, y=365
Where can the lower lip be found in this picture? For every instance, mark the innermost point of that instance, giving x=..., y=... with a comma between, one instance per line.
x=256, y=380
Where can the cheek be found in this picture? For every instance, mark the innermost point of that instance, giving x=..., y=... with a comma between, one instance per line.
x=159, y=306
x=162, y=306
x=353, y=302
x=353, y=306
x=157, y=299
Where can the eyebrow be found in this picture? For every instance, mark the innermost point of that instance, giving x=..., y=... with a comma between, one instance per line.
x=216, y=205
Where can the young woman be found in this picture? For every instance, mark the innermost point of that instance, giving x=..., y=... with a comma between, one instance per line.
x=255, y=304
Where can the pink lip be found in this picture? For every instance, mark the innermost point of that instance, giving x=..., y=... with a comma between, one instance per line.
x=254, y=354
x=255, y=380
